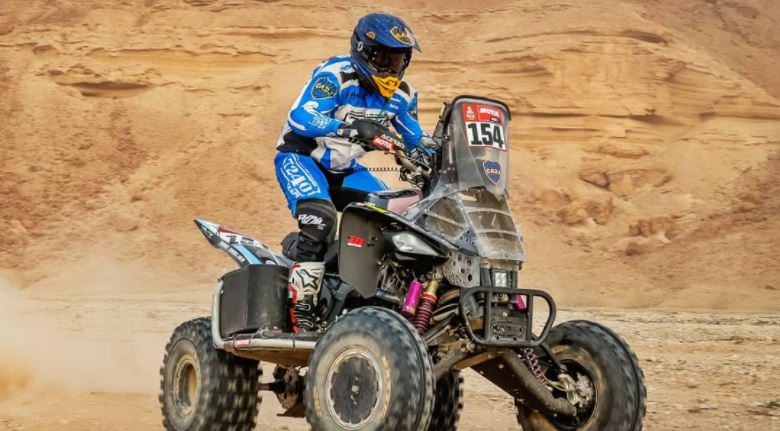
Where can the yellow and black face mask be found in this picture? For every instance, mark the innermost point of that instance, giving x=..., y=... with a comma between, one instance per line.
x=386, y=85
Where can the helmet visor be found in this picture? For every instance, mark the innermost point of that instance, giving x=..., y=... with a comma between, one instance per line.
x=393, y=61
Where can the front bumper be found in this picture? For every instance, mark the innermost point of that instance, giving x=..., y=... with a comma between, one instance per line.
x=494, y=318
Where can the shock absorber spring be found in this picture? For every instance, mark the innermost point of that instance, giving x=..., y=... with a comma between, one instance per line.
x=422, y=317
x=531, y=360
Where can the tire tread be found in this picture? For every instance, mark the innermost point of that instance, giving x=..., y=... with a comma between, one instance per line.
x=229, y=388
x=406, y=351
x=604, y=342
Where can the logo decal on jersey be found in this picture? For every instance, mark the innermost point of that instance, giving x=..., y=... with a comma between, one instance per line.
x=298, y=181
x=492, y=170
x=324, y=88
x=319, y=121
x=380, y=117
x=402, y=35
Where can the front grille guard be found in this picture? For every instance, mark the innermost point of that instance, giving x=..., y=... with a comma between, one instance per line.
x=504, y=324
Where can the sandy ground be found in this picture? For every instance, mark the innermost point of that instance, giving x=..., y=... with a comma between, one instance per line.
x=645, y=174
x=704, y=371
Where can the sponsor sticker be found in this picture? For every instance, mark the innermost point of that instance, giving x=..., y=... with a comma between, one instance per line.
x=225, y=229
x=492, y=170
x=489, y=113
x=383, y=142
x=469, y=113
x=230, y=236
x=356, y=241
x=324, y=88
x=402, y=35
x=233, y=253
x=309, y=219
x=479, y=112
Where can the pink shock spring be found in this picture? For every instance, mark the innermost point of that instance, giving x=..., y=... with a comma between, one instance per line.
x=422, y=318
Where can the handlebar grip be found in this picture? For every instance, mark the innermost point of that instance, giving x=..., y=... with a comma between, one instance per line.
x=377, y=135
x=366, y=129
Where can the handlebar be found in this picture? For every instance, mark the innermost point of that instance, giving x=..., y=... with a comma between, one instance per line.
x=412, y=164
x=374, y=135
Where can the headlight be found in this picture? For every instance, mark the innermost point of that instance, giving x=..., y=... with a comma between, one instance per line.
x=504, y=278
x=500, y=279
x=411, y=243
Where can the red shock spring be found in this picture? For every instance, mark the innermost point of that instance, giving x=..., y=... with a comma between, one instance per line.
x=422, y=318
x=532, y=361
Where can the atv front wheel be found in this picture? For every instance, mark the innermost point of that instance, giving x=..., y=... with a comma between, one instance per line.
x=203, y=388
x=610, y=385
x=449, y=402
x=370, y=371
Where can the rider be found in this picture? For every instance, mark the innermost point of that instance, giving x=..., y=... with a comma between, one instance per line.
x=316, y=165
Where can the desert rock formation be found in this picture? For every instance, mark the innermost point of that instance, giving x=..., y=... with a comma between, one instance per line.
x=121, y=123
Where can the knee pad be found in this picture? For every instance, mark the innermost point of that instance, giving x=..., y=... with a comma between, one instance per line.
x=317, y=223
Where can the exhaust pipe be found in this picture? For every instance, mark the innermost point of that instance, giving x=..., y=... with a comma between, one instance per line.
x=216, y=336
x=276, y=343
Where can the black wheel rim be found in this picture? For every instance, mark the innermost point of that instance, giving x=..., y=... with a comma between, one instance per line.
x=583, y=414
x=355, y=387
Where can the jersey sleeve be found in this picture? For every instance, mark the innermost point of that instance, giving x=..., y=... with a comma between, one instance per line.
x=311, y=115
x=405, y=122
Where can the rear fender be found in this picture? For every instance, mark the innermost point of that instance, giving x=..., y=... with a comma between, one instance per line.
x=242, y=249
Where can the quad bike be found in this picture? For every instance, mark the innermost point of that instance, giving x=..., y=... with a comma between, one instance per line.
x=420, y=285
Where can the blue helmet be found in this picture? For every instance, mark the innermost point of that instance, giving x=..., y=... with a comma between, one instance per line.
x=381, y=51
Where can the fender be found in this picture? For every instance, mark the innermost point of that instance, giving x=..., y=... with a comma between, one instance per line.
x=242, y=249
x=364, y=241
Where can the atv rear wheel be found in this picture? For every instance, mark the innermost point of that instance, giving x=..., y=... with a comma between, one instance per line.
x=608, y=372
x=370, y=371
x=203, y=388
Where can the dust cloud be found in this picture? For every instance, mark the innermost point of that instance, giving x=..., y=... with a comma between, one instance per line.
x=45, y=347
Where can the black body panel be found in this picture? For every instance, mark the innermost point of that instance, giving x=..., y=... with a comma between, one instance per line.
x=363, y=244
x=361, y=248
x=253, y=297
x=383, y=198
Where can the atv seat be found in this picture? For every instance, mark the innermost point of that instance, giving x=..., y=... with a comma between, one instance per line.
x=396, y=201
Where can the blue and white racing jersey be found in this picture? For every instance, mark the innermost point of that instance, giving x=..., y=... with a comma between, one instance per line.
x=332, y=97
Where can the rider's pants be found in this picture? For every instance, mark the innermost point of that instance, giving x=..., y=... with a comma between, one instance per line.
x=314, y=194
